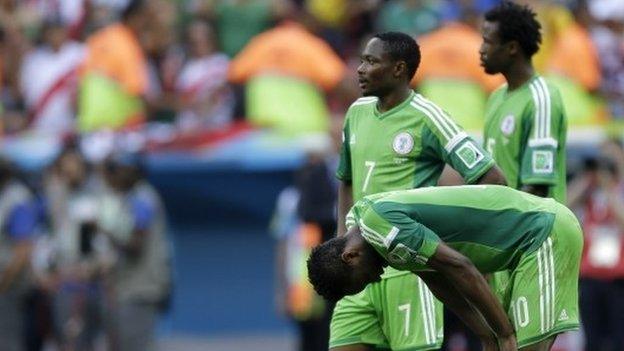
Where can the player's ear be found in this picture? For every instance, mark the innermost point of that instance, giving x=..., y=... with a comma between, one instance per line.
x=349, y=256
x=513, y=47
x=399, y=69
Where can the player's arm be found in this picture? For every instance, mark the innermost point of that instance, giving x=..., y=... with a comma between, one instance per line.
x=457, y=303
x=542, y=123
x=345, y=202
x=445, y=141
x=493, y=176
x=345, y=189
x=465, y=277
x=540, y=190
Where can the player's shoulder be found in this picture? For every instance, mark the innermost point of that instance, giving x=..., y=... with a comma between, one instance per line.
x=543, y=91
x=363, y=103
x=422, y=106
x=436, y=119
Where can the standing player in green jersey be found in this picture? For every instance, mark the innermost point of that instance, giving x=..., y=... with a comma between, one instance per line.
x=492, y=228
x=525, y=123
x=396, y=139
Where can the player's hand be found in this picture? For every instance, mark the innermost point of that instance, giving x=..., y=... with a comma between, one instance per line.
x=489, y=344
x=508, y=343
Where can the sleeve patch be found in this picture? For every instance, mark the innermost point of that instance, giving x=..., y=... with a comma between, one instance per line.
x=542, y=162
x=469, y=154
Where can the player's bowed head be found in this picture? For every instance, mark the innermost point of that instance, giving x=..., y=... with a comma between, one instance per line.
x=344, y=265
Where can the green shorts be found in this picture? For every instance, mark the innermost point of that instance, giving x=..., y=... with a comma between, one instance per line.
x=541, y=298
x=398, y=313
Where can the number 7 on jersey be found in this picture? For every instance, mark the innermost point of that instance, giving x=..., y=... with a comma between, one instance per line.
x=370, y=165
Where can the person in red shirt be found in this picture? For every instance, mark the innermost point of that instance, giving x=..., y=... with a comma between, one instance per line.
x=598, y=195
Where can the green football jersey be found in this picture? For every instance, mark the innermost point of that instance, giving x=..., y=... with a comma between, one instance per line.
x=492, y=225
x=405, y=147
x=525, y=131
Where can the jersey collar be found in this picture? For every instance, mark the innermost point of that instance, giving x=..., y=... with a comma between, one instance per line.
x=395, y=108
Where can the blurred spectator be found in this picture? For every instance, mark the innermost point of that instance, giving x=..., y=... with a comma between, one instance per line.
x=597, y=193
x=450, y=73
x=414, y=17
x=237, y=21
x=140, y=280
x=48, y=80
x=608, y=36
x=574, y=41
x=115, y=76
x=202, y=84
x=286, y=70
x=577, y=78
x=18, y=218
x=72, y=195
x=305, y=217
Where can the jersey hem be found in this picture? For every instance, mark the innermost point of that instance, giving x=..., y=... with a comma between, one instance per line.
x=382, y=347
x=542, y=337
x=479, y=174
x=356, y=340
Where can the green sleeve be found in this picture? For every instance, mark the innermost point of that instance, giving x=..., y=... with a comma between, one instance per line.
x=464, y=154
x=544, y=131
x=405, y=243
x=344, y=166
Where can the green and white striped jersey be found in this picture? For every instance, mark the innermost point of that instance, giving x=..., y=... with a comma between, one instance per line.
x=405, y=147
x=492, y=225
x=525, y=131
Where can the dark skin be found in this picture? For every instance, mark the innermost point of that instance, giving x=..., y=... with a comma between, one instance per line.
x=381, y=76
x=508, y=59
x=456, y=282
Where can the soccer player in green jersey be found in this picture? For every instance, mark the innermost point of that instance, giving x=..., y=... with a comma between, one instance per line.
x=450, y=236
x=525, y=123
x=396, y=139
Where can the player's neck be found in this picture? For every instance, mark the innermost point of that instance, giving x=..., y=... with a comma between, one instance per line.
x=519, y=74
x=392, y=99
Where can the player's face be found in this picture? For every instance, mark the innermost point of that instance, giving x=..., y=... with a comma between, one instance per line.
x=367, y=267
x=376, y=70
x=493, y=53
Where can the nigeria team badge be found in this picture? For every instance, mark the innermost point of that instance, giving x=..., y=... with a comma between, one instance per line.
x=508, y=125
x=403, y=143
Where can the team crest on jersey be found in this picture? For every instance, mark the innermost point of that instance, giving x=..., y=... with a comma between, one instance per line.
x=403, y=143
x=508, y=125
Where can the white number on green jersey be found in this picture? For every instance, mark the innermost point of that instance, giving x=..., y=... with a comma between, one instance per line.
x=520, y=311
x=370, y=165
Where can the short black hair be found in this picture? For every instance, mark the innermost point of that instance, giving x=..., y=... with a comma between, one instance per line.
x=327, y=272
x=517, y=23
x=402, y=47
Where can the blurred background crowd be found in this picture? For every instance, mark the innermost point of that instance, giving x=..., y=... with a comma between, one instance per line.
x=221, y=105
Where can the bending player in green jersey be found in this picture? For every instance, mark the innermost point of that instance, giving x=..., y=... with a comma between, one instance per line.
x=396, y=139
x=450, y=236
x=525, y=124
